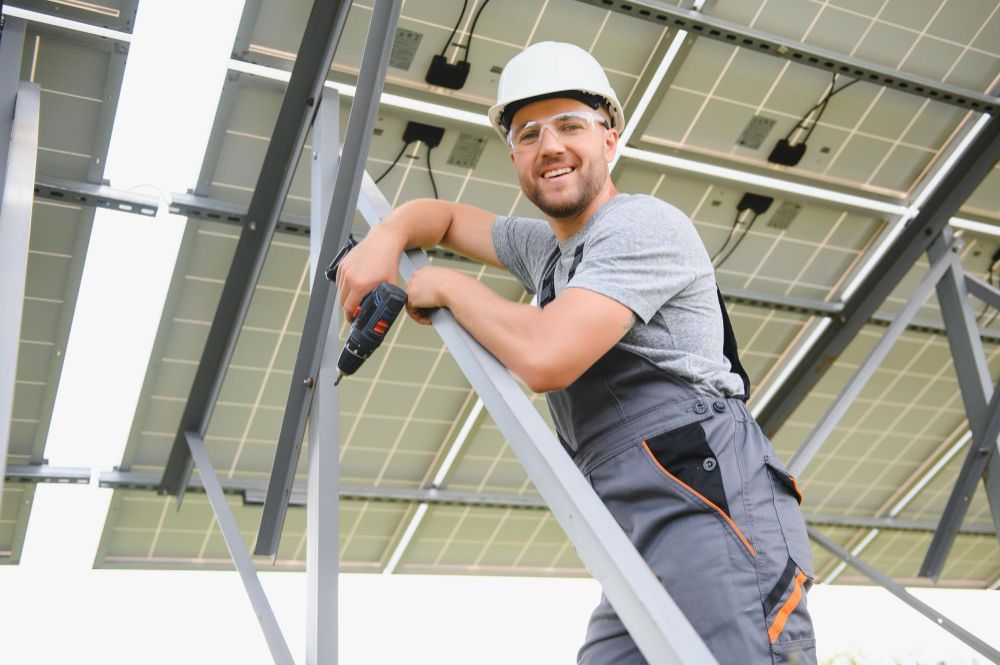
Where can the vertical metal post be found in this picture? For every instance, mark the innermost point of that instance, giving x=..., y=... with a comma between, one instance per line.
x=322, y=301
x=238, y=551
x=659, y=628
x=843, y=402
x=897, y=590
x=15, y=230
x=977, y=395
x=11, y=48
x=323, y=500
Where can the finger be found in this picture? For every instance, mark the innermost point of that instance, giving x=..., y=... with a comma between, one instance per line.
x=418, y=315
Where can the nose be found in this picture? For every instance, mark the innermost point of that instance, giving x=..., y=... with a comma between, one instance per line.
x=548, y=142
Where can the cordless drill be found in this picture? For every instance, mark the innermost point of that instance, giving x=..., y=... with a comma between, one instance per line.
x=372, y=318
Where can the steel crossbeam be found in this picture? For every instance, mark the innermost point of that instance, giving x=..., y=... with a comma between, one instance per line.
x=322, y=299
x=735, y=34
x=315, y=55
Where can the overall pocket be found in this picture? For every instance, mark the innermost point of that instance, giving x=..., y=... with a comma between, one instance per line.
x=787, y=496
x=684, y=458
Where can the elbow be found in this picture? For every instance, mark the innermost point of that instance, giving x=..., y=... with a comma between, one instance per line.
x=545, y=377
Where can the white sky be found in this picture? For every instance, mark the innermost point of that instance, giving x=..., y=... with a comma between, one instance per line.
x=56, y=609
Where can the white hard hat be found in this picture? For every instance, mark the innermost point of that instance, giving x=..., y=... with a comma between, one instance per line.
x=547, y=68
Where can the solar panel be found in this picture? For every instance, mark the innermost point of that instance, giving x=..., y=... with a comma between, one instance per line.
x=79, y=81
x=400, y=414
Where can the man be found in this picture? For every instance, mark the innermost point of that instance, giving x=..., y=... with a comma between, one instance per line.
x=628, y=345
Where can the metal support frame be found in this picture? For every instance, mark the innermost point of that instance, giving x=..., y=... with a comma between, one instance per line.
x=15, y=231
x=946, y=198
x=897, y=590
x=322, y=301
x=797, y=464
x=982, y=404
x=703, y=25
x=238, y=551
x=43, y=473
x=988, y=293
x=323, y=508
x=96, y=196
x=253, y=492
x=661, y=631
x=315, y=55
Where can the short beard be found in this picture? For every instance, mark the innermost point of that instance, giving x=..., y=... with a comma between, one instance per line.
x=591, y=187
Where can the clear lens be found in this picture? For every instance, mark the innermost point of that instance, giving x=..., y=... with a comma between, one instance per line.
x=526, y=136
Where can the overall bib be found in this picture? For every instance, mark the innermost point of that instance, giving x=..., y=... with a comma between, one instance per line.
x=700, y=492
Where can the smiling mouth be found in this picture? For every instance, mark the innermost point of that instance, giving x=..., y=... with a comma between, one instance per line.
x=556, y=173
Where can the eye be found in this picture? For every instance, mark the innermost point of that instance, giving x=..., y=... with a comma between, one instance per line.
x=571, y=125
x=526, y=135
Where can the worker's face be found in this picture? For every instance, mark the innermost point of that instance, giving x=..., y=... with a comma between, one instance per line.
x=541, y=167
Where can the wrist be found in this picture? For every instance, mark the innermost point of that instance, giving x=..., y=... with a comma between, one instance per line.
x=389, y=236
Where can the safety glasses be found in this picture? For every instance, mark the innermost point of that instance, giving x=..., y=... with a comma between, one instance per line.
x=526, y=137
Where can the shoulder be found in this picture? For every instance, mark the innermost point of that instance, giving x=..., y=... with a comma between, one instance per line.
x=647, y=218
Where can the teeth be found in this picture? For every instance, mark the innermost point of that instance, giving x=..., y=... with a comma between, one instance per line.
x=557, y=172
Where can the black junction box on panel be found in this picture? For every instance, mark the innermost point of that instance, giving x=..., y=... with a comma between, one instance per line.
x=787, y=154
x=429, y=135
x=756, y=202
x=447, y=75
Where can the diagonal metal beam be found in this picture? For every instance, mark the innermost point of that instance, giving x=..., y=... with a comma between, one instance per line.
x=735, y=34
x=988, y=293
x=320, y=39
x=322, y=299
x=238, y=551
x=982, y=406
x=797, y=464
x=914, y=239
x=897, y=590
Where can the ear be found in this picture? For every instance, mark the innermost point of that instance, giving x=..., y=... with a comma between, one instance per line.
x=610, y=144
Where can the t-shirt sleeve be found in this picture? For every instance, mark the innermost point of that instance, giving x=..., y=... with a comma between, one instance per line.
x=523, y=245
x=642, y=255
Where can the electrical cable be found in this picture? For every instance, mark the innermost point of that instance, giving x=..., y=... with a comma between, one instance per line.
x=472, y=30
x=430, y=172
x=394, y=162
x=732, y=230
x=746, y=232
x=465, y=4
x=821, y=105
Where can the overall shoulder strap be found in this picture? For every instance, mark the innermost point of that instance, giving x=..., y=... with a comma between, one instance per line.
x=729, y=346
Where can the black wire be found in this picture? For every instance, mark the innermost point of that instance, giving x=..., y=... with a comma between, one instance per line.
x=465, y=4
x=821, y=104
x=430, y=172
x=394, y=162
x=732, y=230
x=746, y=232
x=472, y=30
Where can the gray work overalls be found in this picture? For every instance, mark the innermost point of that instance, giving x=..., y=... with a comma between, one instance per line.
x=700, y=492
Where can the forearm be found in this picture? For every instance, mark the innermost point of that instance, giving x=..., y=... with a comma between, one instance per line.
x=418, y=223
x=513, y=332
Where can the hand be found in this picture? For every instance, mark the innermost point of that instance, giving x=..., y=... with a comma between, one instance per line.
x=429, y=289
x=373, y=261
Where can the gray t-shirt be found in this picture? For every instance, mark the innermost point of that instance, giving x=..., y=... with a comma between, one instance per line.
x=647, y=255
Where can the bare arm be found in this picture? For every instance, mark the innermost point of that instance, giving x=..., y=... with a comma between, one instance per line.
x=547, y=348
x=420, y=223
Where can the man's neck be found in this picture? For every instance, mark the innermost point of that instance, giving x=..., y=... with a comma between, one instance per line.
x=567, y=227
